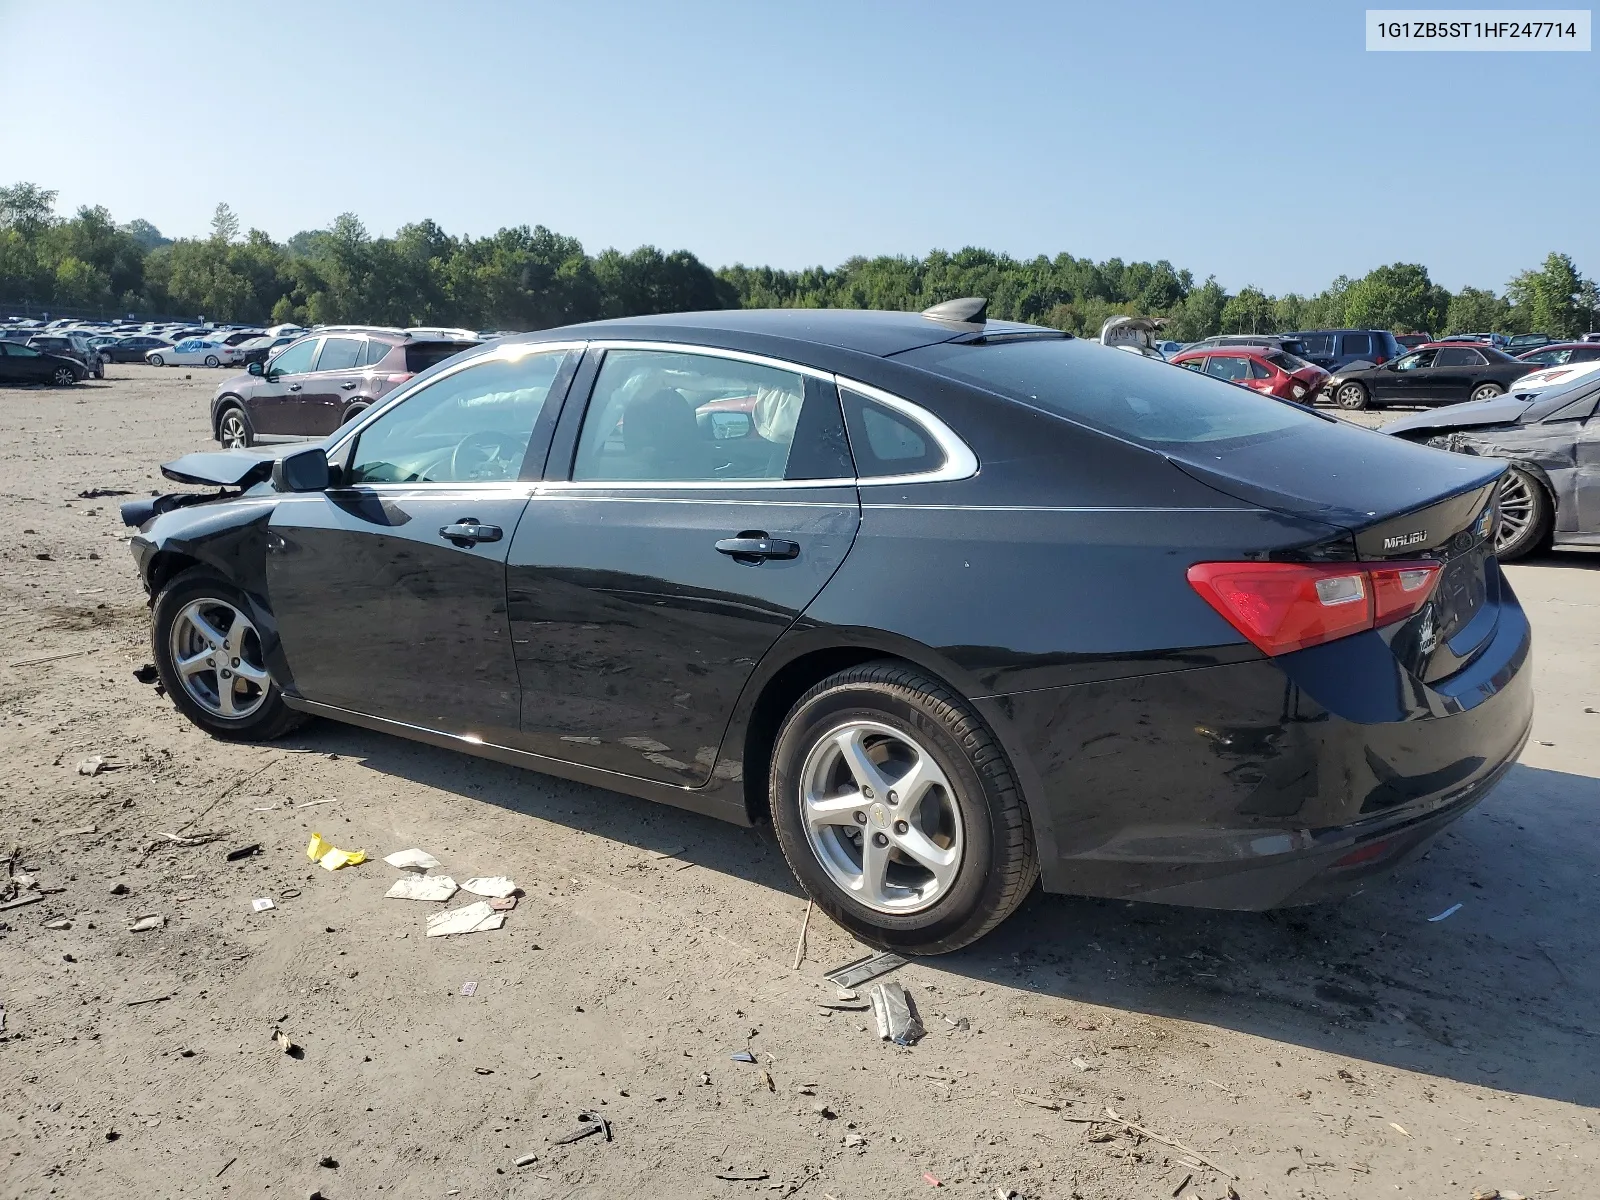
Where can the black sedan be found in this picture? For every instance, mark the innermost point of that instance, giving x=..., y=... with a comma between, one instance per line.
x=1551, y=494
x=25, y=364
x=1438, y=373
x=132, y=349
x=954, y=604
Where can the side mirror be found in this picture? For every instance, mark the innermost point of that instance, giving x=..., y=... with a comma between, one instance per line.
x=303, y=471
x=256, y=368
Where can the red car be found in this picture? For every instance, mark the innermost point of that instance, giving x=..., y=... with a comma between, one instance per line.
x=1259, y=368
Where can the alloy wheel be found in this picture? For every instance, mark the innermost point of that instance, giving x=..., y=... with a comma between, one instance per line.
x=232, y=431
x=1487, y=391
x=216, y=653
x=881, y=817
x=1516, y=509
x=1352, y=395
x=64, y=376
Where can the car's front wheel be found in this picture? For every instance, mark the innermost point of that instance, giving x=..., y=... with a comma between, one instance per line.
x=1351, y=395
x=1487, y=391
x=156, y=360
x=211, y=662
x=1525, y=516
x=62, y=376
x=898, y=812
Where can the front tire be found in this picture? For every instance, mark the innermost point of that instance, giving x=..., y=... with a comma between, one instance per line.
x=156, y=360
x=898, y=812
x=209, y=656
x=1525, y=517
x=1487, y=391
x=1351, y=395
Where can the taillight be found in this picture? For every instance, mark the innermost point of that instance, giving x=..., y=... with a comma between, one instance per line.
x=1288, y=606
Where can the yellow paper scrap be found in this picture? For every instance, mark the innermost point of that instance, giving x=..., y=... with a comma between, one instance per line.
x=331, y=858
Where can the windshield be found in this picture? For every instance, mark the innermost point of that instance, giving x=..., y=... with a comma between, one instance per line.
x=1140, y=399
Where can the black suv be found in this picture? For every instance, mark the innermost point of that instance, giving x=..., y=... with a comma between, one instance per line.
x=1332, y=349
x=71, y=345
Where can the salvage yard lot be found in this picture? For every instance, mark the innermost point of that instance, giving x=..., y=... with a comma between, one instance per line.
x=1355, y=1050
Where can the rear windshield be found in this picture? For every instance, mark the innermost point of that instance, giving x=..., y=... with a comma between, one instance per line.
x=1141, y=399
x=1287, y=362
x=422, y=355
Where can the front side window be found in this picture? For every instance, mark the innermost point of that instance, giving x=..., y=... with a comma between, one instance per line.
x=1414, y=360
x=670, y=417
x=339, y=354
x=295, y=359
x=471, y=426
x=16, y=351
x=1193, y=364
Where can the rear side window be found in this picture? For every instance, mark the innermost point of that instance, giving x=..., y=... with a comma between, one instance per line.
x=295, y=359
x=1259, y=370
x=1459, y=356
x=1318, y=343
x=1287, y=362
x=1357, y=343
x=1126, y=395
x=376, y=352
x=339, y=354
x=886, y=442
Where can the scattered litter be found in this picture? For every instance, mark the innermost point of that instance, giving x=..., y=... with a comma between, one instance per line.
x=150, y=999
x=328, y=1161
x=527, y=1160
x=1181, y=1186
x=863, y=969
x=2, y=1020
x=743, y=1056
x=98, y=493
x=589, y=1124
x=844, y=1005
x=897, y=1017
x=772, y=1084
x=32, y=898
x=960, y=1023
x=800, y=946
x=497, y=886
x=422, y=887
x=470, y=918
x=187, y=840
x=80, y=830
x=329, y=858
x=153, y=921
x=932, y=1182
x=1037, y=1102
x=58, y=923
x=1083, y=1064
x=469, y=988
x=244, y=851
x=265, y=808
x=412, y=860
x=289, y=893
x=147, y=673
x=119, y=889
x=503, y=903
x=1399, y=1129
x=225, y=1166
x=1130, y=1128
x=1449, y=912
x=483, y=1070
x=287, y=1044
x=92, y=766
x=743, y=1176
x=264, y=903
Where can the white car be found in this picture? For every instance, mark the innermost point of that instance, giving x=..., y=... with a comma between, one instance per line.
x=195, y=352
x=1549, y=377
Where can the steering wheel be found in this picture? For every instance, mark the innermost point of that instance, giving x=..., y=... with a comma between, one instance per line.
x=485, y=446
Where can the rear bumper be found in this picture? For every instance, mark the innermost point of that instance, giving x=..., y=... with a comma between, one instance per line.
x=1269, y=782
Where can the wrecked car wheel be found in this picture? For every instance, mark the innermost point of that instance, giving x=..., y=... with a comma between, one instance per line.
x=1524, y=517
x=1487, y=391
x=210, y=657
x=898, y=811
x=1350, y=395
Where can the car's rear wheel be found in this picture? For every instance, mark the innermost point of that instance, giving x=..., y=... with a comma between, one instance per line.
x=213, y=361
x=157, y=361
x=210, y=659
x=62, y=376
x=898, y=812
x=354, y=412
x=1487, y=391
x=233, y=429
x=1525, y=516
x=1351, y=395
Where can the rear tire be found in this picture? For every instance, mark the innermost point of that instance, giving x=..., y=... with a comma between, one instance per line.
x=202, y=692
x=1351, y=395
x=1526, y=516
x=213, y=361
x=1487, y=391
x=968, y=819
x=63, y=376
x=233, y=428
x=353, y=413
x=156, y=360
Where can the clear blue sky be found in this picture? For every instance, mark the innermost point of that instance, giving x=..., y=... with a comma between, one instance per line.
x=1259, y=142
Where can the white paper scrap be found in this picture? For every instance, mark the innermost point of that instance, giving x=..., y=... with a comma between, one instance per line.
x=469, y=918
x=422, y=887
x=490, y=885
x=412, y=860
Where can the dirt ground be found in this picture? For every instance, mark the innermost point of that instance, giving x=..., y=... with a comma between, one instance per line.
x=1358, y=1050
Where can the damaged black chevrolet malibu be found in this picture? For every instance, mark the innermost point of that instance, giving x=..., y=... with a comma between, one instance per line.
x=956, y=605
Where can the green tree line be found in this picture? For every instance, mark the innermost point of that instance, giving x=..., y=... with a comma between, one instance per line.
x=532, y=278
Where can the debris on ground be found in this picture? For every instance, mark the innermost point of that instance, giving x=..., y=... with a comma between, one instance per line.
x=743, y=1056
x=244, y=852
x=58, y=923
x=119, y=889
x=503, y=903
x=932, y=1182
x=287, y=1044
x=92, y=766
x=262, y=904
x=147, y=922
x=469, y=918
x=863, y=969
x=29, y=898
x=896, y=1015
x=1137, y=1131
x=800, y=946
x=422, y=887
x=527, y=1160
x=743, y=1176
x=412, y=860
x=497, y=886
x=589, y=1124
x=330, y=858
x=147, y=673
x=470, y=988
x=185, y=841
x=1449, y=912
x=82, y=829
x=1039, y=1102
x=149, y=1000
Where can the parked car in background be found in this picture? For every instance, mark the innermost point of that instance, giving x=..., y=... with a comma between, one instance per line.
x=1288, y=342
x=1522, y=342
x=236, y=337
x=1551, y=494
x=1259, y=368
x=21, y=363
x=71, y=345
x=1439, y=373
x=1562, y=352
x=1497, y=340
x=262, y=348
x=318, y=382
x=1332, y=349
x=1547, y=378
x=1410, y=341
x=1168, y=349
x=193, y=352
x=133, y=348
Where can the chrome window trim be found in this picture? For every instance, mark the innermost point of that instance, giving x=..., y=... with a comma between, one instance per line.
x=759, y=360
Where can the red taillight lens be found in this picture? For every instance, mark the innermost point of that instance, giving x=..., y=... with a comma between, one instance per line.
x=1288, y=606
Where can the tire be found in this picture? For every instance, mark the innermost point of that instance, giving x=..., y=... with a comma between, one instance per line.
x=155, y=360
x=63, y=376
x=353, y=413
x=1487, y=391
x=1352, y=395
x=259, y=713
x=100, y=371
x=1525, y=518
x=233, y=428
x=213, y=361
x=973, y=814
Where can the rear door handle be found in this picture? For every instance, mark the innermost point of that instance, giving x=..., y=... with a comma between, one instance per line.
x=349, y=387
x=756, y=547
x=470, y=533
x=294, y=387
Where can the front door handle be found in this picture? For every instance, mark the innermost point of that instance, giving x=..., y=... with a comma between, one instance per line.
x=349, y=387
x=294, y=387
x=755, y=547
x=470, y=533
